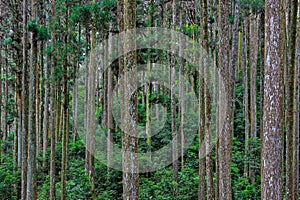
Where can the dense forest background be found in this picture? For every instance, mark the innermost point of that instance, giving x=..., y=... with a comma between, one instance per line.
x=54, y=95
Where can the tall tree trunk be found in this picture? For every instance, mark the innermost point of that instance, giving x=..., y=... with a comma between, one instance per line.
x=91, y=108
x=65, y=105
x=46, y=111
x=109, y=102
x=226, y=91
x=207, y=101
x=25, y=104
x=202, y=106
x=291, y=109
x=31, y=171
x=246, y=99
x=52, y=109
x=271, y=168
x=173, y=103
x=253, y=74
x=129, y=135
x=75, y=93
x=181, y=94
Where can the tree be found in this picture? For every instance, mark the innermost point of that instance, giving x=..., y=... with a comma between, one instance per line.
x=225, y=109
x=253, y=35
x=272, y=133
x=129, y=135
x=292, y=135
x=52, y=106
x=31, y=171
x=173, y=102
x=25, y=104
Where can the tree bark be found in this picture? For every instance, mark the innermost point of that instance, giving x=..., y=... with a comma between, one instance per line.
x=25, y=104
x=52, y=109
x=291, y=109
x=226, y=97
x=129, y=135
x=271, y=168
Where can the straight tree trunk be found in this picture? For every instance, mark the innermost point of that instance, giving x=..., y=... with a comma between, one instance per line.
x=5, y=90
x=52, y=109
x=129, y=135
x=109, y=102
x=253, y=74
x=272, y=145
x=46, y=112
x=207, y=102
x=202, y=119
x=291, y=110
x=25, y=104
x=31, y=171
x=173, y=104
x=226, y=96
x=91, y=108
x=246, y=99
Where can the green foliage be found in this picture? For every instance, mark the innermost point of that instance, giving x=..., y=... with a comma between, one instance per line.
x=255, y=5
x=8, y=178
x=32, y=26
x=43, y=33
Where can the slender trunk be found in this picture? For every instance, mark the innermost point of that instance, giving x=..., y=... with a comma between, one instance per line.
x=246, y=99
x=75, y=94
x=253, y=74
x=109, y=103
x=173, y=104
x=46, y=113
x=291, y=109
x=5, y=100
x=52, y=109
x=31, y=171
x=25, y=104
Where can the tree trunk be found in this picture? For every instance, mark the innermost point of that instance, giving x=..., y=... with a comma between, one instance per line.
x=25, y=104
x=173, y=104
x=129, y=134
x=291, y=109
x=253, y=74
x=271, y=168
x=246, y=99
x=109, y=103
x=31, y=171
x=52, y=109
x=225, y=108
x=207, y=102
